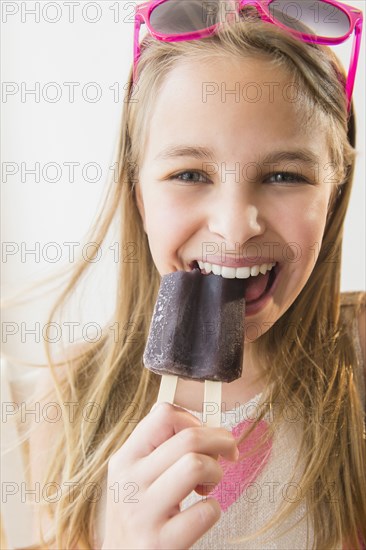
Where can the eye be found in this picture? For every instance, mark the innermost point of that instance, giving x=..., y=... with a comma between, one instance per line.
x=286, y=177
x=187, y=177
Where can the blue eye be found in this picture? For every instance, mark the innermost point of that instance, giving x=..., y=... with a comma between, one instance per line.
x=180, y=177
x=286, y=177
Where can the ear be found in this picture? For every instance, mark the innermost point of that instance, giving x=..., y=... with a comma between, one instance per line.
x=140, y=203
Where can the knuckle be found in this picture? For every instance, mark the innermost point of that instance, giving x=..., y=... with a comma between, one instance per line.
x=194, y=463
x=115, y=461
x=208, y=513
x=190, y=438
x=164, y=409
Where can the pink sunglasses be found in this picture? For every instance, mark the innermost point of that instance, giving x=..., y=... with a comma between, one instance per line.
x=329, y=22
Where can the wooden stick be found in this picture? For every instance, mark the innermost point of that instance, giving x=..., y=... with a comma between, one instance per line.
x=211, y=416
x=168, y=386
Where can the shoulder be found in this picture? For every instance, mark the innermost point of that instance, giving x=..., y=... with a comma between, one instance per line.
x=362, y=328
x=355, y=298
x=62, y=365
x=353, y=305
x=45, y=431
x=19, y=380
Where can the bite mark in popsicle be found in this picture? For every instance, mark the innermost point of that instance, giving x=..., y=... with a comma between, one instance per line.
x=197, y=331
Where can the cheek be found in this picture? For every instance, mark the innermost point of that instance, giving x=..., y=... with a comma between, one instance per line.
x=166, y=215
x=301, y=227
x=169, y=223
x=311, y=230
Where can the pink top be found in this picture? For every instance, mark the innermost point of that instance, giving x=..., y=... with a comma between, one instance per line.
x=251, y=491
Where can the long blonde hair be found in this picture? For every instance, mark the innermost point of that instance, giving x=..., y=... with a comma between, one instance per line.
x=314, y=370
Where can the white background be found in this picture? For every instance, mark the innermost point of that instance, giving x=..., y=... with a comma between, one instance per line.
x=38, y=53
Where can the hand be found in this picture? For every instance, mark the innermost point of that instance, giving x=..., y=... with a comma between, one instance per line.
x=168, y=455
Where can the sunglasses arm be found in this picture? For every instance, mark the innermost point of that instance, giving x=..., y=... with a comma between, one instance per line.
x=354, y=61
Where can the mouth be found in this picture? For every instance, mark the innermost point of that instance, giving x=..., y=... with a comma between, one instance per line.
x=258, y=285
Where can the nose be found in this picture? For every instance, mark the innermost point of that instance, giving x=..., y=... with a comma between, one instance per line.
x=236, y=213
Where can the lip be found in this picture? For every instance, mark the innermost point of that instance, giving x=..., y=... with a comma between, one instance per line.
x=232, y=261
x=257, y=305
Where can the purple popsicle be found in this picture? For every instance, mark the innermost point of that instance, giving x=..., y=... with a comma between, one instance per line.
x=197, y=328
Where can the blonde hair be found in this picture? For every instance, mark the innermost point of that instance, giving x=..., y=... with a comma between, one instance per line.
x=314, y=370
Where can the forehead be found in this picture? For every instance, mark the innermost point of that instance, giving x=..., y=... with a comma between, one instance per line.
x=234, y=104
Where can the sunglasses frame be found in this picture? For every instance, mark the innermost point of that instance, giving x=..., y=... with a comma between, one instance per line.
x=355, y=17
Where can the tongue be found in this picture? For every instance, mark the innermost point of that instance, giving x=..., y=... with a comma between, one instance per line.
x=255, y=287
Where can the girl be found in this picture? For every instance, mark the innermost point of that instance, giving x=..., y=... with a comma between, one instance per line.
x=236, y=153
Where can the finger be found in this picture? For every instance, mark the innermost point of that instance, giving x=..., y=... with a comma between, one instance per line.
x=188, y=526
x=179, y=480
x=159, y=425
x=202, y=440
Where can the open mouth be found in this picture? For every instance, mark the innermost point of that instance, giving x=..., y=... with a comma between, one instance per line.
x=255, y=287
x=271, y=279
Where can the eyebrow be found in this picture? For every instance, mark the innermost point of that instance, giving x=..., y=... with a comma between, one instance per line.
x=203, y=153
x=303, y=155
x=196, y=152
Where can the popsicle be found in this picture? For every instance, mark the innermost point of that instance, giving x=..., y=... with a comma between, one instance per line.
x=197, y=333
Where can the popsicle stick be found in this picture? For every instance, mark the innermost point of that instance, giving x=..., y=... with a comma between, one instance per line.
x=212, y=404
x=168, y=386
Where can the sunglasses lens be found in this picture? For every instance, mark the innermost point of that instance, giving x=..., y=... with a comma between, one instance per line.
x=184, y=16
x=311, y=17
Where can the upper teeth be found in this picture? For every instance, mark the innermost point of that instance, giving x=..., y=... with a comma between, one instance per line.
x=235, y=272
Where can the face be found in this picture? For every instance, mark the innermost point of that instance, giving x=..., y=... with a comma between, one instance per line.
x=235, y=182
